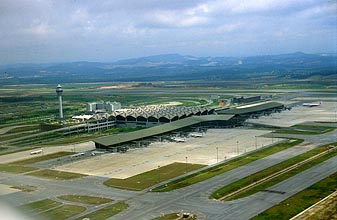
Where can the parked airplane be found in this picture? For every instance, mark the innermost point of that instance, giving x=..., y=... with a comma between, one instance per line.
x=36, y=152
x=311, y=104
x=196, y=135
x=77, y=155
x=178, y=139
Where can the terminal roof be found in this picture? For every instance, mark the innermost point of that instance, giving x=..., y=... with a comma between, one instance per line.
x=160, y=129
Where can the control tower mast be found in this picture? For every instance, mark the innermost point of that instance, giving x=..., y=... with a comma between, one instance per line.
x=59, y=91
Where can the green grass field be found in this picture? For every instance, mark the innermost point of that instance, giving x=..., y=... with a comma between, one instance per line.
x=62, y=212
x=226, y=166
x=271, y=170
x=56, y=175
x=106, y=212
x=152, y=177
x=11, y=168
x=300, y=201
x=36, y=159
x=40, y=206
x=91, y=200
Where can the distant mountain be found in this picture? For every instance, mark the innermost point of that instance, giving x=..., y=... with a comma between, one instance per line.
x=173, y=67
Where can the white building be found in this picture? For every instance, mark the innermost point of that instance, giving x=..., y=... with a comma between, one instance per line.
x=103, y=106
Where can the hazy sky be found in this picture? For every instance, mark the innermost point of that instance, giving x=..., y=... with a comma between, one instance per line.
x=65, y=30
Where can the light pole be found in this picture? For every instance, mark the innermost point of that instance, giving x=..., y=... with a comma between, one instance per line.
x=255, y=142
x=158, y=174
x=237, y=147
x=217, y=154
x=186, y=164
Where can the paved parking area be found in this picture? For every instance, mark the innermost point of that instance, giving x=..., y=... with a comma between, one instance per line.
x=299, y=114
x=214, y=146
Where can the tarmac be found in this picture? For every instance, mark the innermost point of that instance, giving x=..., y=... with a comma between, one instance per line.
x=215, y=145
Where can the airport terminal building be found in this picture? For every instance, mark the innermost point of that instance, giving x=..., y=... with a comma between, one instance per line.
x=175, y=124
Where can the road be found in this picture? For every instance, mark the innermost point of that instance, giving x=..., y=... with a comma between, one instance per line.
x=194, y=199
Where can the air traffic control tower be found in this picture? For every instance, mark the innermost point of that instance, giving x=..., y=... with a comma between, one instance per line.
x=59, y=91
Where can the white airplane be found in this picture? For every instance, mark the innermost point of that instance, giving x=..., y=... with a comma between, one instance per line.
x=36, y=152
x=77, y=155
x=178, y=139
x=311, y=104
x=196, y=135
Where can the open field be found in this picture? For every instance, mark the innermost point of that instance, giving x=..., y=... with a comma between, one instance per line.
x=56, y=175
x=39, y=206
x=10, y=168
x=301, y=200
x=299, y=114
x=62, y=212
x=203, y=150
x=52, y=210
x=152, y=177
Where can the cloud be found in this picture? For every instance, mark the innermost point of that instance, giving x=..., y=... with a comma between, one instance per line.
x=108, y=30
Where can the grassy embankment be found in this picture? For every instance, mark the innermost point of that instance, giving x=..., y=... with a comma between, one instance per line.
x=226, y=166
x=235, y=186
x=152, y=177
x=301, y=201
